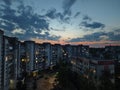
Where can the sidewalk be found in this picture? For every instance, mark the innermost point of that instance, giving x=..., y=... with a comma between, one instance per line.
x=45, y=83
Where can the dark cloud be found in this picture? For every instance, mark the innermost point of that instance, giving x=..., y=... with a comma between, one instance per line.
x=86, y=17
x=30, y=35
x=67, y=4
x=53, y=14
x=7, y=2
x=54, y=37
x=114, y=36
x=98, y=36
x=67, y=20
x=60, y=16
x=24, y=18
x=54, y=29
x=7, y=25
x=90, y=37
x=65, y=16
x=93, y=25
x=77, y=14
x=117, y=31
x=63, y=19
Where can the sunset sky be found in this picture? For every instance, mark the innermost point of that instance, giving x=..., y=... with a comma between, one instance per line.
x=91, y=22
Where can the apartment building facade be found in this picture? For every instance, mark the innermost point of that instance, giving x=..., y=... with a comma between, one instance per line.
x=11, y=58
x=1, y=59
x=30, y=55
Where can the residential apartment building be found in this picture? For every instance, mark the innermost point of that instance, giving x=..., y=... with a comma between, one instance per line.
x=81, y=66
x=30, y=56
x=112, y=52
x=23, y=59
x=1, y=59
x=117, y=74
x=99, y=67
x=10, y=64
x=91, y=63
x=18, y=64
x=85, y=51
x=56, y=54
x=47, y=54
x=39, y=57
x=67, y=52
x=42, y=58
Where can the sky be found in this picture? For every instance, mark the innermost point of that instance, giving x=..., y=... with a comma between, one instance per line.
x=89, y=22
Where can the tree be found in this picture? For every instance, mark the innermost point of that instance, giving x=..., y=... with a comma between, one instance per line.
x=19, y=85
x=69, y=80
x=105, y=82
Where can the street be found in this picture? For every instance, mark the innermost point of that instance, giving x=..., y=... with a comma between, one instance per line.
x=46, y=82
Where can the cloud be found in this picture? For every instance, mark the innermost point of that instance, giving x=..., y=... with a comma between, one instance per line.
x=24, y=17
x=104, y=37
x=7, y=25
x=18, y=31
x=29, y=35
x=86, y=17
x=67, y=4
x=23, y=23
x=65, y=16
x=93, y=25
x=7, y=2
x=54, y=29
x=54, y=38
x=98, y=36
x=53, y=14
x=113, y=36
x=117, y=31
x=77, y=14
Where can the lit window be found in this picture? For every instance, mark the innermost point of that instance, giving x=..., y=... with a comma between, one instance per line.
x=23, y=60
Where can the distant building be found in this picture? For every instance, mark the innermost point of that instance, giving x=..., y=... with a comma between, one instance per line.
x=96, y=54
x=59, y=52
x=39, y=57
x=98, y=67
x=85, y=51
x=67, y=52
x=23, y=59
x=81, y=66
x=47, y=54
x=56, y=54
x=1, y=59
x=30, y=55
x=112, y=52
x=80, y=60
x=117, y=74
x=42, y=60
x=53, y=55
x=19, y=69
x=74, y=51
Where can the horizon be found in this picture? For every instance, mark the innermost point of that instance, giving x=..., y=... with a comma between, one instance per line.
x=91, y=45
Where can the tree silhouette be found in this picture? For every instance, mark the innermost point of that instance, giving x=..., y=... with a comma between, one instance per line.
x=105, y=81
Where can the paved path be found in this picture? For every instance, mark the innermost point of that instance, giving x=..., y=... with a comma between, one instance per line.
x=46, y=83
